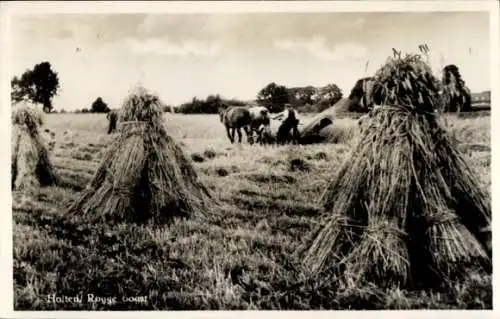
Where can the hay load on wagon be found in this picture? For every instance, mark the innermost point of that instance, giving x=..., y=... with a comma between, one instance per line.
x=31, y=166
x=456, y=96
x=322, y=129
x=144, y=176
x=404, y=209
x=112, y=118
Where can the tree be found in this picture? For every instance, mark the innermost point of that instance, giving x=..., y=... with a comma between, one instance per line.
x=328, y=95
x=274, y=97
x=39, y=85
x=456, y=95
x=99, y=106
x=305, y=95
x=301, y=96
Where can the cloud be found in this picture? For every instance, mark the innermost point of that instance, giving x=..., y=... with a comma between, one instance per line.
x=318, y=47
x=165, y=47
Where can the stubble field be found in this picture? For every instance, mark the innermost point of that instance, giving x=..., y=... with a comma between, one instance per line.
x=240, y=260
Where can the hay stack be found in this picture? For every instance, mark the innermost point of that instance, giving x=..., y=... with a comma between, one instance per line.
x=311, y=132
x=30, y=163
x=359, y=101
x=322, y=129
x=404, y=209
x=144, y=176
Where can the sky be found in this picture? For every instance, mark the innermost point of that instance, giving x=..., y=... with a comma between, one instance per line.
x=179, y=56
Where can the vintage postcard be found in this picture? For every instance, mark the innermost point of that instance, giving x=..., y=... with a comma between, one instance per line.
x=322, y=156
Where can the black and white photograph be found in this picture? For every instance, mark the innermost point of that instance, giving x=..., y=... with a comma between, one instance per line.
x=248, y=156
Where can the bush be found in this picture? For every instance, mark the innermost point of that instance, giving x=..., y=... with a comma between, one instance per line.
x=197, y=157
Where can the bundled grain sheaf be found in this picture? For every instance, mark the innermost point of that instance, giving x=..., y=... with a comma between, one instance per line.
x=30, y=163
x=405, y=208
x=144, y=176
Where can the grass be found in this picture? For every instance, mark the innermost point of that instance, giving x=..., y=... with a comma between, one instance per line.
x=238, y=261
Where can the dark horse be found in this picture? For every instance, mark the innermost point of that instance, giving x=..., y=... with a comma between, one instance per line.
x=361, y=95
x=456, y=96
x=234, y=118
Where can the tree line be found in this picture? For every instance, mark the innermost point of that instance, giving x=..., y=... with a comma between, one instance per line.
x=41, y=84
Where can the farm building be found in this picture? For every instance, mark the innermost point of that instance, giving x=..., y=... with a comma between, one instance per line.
x=482, y=99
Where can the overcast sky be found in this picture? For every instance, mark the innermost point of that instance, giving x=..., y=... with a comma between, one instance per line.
x=181, y=55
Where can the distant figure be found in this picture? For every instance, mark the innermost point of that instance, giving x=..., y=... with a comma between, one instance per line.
x=264, y=135
x=288, y=130
x=364, y=119
x=112, y=117
x=234, y=118
x=260, y=121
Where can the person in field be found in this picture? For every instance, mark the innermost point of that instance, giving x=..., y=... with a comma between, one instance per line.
x=250, y=120
x=260, y=123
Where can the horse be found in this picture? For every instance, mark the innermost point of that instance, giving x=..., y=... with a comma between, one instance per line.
x=234, y=118
x=264, y=135
x=361, y=93
x=112, y=117
x=288, y=130
x=260, y=122
x=260, y=117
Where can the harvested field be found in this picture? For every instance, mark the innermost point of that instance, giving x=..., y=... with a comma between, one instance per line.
x=239, y=260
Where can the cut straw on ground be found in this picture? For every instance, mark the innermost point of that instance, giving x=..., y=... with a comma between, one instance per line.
x=144, y=175
x=405, y=208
